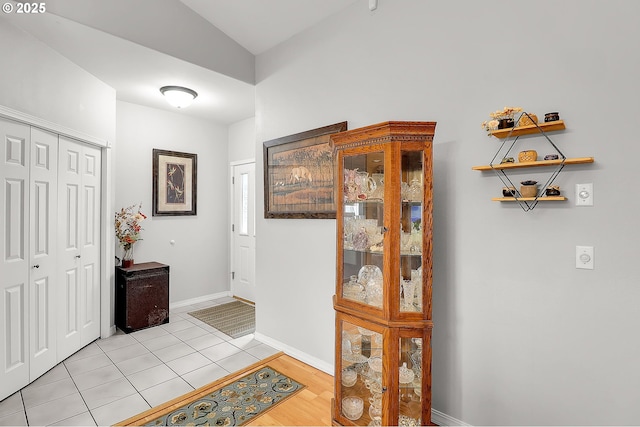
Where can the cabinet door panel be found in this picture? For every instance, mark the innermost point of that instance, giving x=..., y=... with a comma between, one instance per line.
x=363, y=228
x=360, y=381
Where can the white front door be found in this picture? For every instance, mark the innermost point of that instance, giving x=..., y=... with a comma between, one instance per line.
x=79, y=246
x=14, y=277
x=243, y=232
x=42, y=250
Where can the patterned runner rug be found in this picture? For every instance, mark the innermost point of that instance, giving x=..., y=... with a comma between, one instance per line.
x=234, y=318
x=223, y=404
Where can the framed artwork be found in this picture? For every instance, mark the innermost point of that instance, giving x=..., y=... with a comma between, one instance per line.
x=174, y=183
x=299, y=175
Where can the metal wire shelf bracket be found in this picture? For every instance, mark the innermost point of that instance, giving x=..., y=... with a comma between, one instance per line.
x=526, y=205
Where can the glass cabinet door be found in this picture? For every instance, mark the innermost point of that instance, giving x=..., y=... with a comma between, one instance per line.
x=411, y=194
x=361, y=386
x=410, y=382
x=363, y=230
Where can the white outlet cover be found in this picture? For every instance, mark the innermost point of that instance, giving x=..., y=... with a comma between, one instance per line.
x=584, y=194
x=584, y=257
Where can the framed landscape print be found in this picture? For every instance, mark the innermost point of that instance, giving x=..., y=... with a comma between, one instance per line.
x=299, y=175
x=174, y=183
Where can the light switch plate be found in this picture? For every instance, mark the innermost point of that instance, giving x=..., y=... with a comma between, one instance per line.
x=584, y=257
x=584, y=194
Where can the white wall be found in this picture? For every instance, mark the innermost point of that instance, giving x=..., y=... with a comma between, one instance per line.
x=199, y=258
x=521, y=336
x=242, y=140
x=38, y=81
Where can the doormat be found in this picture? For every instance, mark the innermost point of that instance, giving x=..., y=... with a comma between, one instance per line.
x=233, y=404
x=235, y=318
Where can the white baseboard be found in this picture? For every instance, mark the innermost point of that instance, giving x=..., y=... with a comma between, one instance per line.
x=199, y=299
x=441, y=419
x=294, y=352
x=112, y=331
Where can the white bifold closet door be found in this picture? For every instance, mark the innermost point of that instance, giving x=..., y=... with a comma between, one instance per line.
x=16, y=265
x=50, y=237
x=79, y=246
x=43, y=217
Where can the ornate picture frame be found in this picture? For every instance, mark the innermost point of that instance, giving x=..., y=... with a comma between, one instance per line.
x=299, y=175
x=174, y=183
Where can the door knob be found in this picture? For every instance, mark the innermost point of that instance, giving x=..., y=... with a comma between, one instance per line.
x=77, y=256
x=36, y=266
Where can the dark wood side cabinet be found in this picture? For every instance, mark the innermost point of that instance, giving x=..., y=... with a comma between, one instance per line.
x=142, y=296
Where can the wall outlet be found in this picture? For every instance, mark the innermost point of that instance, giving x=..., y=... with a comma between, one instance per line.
x=584, y=194
x=584, y=257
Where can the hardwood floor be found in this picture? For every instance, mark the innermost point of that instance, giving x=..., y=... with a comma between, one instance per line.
x=309, y=407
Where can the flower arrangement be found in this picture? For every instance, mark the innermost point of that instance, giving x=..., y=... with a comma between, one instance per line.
x=507, y=113
x=490, y=125
x=127, y=224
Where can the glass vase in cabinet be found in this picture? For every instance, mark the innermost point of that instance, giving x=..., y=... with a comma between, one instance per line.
x=383, y=274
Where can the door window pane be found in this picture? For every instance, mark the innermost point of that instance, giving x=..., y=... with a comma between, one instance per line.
x=244, y=214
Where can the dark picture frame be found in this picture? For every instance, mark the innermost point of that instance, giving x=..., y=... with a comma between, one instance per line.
x=299, y=174
x=174, y=183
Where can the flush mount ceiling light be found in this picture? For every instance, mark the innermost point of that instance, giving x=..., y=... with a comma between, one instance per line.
x=178, y=96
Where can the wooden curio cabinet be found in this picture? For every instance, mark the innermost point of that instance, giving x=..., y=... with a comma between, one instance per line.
x=383, y=276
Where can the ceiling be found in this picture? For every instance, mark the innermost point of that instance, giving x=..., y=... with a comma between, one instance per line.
x=259, y=25
x=129, y=45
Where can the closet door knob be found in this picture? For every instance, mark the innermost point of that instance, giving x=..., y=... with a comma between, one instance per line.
x=36, y=266
x=77, y=256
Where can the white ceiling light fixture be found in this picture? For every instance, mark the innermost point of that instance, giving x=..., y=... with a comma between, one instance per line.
x=178, y=96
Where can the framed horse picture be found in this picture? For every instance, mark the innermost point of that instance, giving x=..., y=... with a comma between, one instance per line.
x=299, y=174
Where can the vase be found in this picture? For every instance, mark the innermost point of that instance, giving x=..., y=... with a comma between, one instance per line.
x=408, y=294
x=378, y=193
x=127, y=258
x=414, y=194
x=505, y=123
x=529, y=190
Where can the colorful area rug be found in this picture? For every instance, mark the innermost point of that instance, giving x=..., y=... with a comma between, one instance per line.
x=234, y=318
x=233, y=404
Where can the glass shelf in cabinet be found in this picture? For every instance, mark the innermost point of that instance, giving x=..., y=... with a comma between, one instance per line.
x=364, y=202
x=366, y=251
x=410, y=254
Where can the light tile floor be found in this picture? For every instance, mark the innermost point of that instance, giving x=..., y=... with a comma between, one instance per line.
x=115, y=378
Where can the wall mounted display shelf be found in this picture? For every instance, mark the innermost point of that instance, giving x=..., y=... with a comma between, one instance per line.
x=502, y=169
x=383, y=275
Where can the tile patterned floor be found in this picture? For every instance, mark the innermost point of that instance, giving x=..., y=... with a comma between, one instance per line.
x=115, y=378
